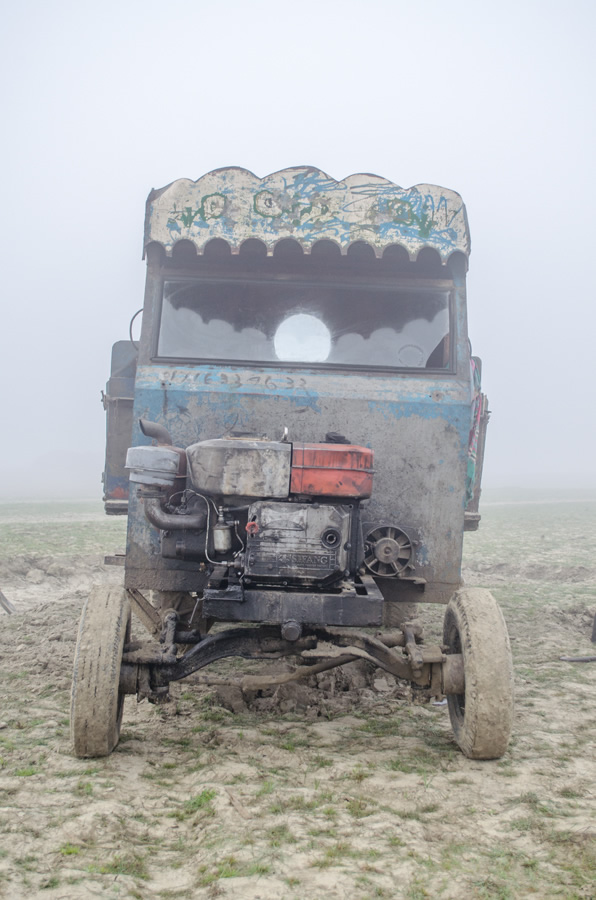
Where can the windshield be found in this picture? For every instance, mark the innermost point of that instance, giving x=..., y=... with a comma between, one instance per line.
x=305, y=323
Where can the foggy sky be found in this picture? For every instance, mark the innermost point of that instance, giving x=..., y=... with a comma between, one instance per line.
x=105, y=101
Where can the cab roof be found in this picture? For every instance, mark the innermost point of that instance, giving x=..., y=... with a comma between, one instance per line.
x=306, y=206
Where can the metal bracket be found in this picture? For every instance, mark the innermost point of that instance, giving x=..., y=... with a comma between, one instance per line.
x=148, y=615
x=115, y=559
x=358, y=603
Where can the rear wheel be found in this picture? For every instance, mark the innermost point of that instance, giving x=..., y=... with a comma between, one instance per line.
x=482, y=716
x=96, y=701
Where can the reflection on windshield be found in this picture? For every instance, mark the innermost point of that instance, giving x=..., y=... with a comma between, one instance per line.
x=302, y=338
x=269, y=322
x=185, y=334
x=409, y=348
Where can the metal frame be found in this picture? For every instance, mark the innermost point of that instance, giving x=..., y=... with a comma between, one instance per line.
x=361, y=605
x=402, y=654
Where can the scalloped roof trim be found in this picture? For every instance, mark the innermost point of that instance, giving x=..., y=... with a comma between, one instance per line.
x=306, y=205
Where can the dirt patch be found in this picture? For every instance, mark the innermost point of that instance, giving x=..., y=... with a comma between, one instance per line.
x=355, y=686
x=346, y=786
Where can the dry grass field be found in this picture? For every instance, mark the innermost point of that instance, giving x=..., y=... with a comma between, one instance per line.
x=350, y=789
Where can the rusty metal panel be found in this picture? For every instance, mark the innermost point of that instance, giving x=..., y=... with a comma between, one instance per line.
x=307, y=205
x=118, y=404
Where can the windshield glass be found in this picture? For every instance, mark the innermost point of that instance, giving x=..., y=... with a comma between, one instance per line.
x=303, y=323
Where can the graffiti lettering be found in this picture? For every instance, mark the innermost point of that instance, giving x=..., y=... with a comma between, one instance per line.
x=307, y=206
x=171, y=378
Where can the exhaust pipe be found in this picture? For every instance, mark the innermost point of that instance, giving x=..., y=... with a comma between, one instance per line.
x=155, y=431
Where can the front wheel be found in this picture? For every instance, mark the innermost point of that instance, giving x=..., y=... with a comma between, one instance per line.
x=96, y=700
x=482, y=716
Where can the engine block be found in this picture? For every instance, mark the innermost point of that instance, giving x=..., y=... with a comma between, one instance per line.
x=298, y=543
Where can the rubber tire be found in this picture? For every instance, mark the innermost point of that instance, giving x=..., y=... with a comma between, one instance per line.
x=96, y=702
x=482, y=717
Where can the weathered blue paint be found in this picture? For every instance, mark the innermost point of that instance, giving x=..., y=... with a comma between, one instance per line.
x=230, y=395
x=306, y=386
x=166, y=404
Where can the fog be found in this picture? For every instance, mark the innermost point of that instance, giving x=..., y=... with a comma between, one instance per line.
x=105, y=101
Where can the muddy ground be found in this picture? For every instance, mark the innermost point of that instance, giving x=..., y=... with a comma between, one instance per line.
x=350, y=788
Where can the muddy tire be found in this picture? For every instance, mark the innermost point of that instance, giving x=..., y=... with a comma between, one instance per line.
x=482, y=717
x=96, y=702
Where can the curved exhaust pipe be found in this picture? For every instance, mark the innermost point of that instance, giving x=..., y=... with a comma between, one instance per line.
x=155, y=431
x=166, y=521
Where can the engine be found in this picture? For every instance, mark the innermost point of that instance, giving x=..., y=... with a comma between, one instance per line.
x=275, y=512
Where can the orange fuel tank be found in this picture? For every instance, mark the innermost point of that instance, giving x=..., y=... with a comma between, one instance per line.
x=331, y=470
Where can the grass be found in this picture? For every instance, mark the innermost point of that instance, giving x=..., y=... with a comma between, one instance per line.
x=265, y=789
x=297, y=803
x=386, y=727
x=359, y=808
x=84, y=789
x=333, y=855
x=199, y=804
x=231, y=867
x=279, y=835
x=124, y=864
x=200, y=801
x=70, y=850
x=58, y=529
